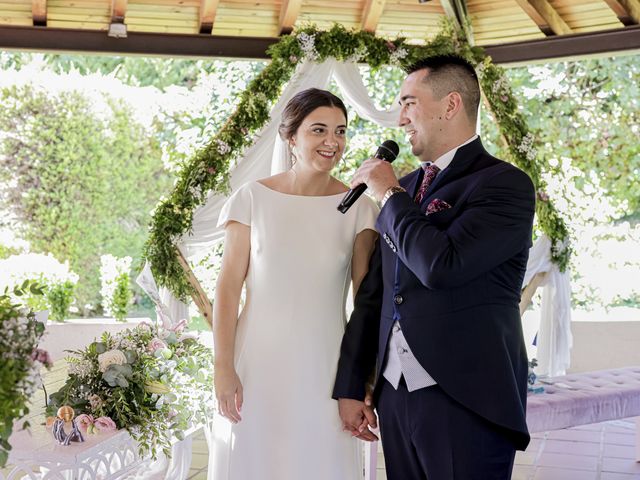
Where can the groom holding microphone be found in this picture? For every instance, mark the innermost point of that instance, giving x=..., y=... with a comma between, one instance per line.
x=437, y=316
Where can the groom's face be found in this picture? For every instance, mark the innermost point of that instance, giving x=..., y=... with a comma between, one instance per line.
x=421, y=116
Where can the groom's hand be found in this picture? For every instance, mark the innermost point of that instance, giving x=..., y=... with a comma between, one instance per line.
x=357, y=417
x=377, y=174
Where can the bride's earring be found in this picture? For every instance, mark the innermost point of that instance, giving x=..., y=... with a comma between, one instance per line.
x=294, y=154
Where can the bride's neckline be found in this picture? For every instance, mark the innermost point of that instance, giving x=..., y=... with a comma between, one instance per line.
x=299, y=196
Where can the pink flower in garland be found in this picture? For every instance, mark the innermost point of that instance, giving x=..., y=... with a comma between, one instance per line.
x=42, y=356
x=391, y=46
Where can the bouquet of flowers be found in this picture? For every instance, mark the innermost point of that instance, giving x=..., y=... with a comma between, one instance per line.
x=20, y=360
x=155, y=382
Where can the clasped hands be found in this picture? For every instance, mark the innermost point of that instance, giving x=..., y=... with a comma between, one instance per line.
x=358, y=417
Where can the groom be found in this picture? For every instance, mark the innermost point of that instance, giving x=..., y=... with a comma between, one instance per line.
x=437, y=316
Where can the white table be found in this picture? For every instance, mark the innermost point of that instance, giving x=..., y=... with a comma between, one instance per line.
x=36, y=455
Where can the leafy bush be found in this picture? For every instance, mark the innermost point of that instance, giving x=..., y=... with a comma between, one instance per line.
x=80, y=175
x=116, y=290
x=56, y=279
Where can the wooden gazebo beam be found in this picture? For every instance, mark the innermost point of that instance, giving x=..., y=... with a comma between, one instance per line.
x=208, y=10
x=545, y=16
x=118, y=11
x=627, y=11
x=66, y=40
x=39, y=13
x=288, y=15
x=372, y=13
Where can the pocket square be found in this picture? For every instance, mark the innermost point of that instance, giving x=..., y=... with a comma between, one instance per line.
x=436, y=205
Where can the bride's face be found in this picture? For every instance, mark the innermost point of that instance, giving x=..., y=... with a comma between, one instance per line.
x=320, y=140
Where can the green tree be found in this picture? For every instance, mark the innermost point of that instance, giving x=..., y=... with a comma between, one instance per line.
x=80, y=182
x=586, y=114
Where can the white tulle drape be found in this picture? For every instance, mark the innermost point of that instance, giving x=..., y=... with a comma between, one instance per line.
x=554, y=340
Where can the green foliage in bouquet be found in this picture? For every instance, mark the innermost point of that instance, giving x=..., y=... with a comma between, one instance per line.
x=156, y=383
x=20, y=360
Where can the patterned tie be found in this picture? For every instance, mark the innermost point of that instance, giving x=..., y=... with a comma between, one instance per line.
x=430, y=172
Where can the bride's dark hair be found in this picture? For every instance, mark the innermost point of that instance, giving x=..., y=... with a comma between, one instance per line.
x=301, y=105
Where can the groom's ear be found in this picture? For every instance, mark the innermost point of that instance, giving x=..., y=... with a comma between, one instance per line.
x=454, y=105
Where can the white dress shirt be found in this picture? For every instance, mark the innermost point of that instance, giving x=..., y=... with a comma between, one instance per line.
x=400, y=360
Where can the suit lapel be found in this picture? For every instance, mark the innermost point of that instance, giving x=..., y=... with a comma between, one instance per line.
x=411, y=182
x=462, y=160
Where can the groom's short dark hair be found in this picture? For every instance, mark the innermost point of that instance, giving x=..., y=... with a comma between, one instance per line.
x=451, y=73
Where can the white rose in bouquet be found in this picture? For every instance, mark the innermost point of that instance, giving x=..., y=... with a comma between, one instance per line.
x=112, y=357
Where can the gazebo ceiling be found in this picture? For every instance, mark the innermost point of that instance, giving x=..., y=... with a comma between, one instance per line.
x=511, y=30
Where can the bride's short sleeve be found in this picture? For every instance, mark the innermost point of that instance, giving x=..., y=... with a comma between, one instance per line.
x=237, y=207
x=367, y=214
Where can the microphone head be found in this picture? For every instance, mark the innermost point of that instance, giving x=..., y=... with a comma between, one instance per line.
x=388, y=151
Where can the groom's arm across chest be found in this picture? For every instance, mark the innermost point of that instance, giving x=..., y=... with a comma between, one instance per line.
x=488, y=225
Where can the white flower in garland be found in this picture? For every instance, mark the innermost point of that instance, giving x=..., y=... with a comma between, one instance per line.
x=360, y=54
x=308, y=45
x=526, y=147
x=482, y=67
x=196, y=191
x=223, y=147
x=501, y=87
x=395, y=58
x=261, y=97
x=560, y=245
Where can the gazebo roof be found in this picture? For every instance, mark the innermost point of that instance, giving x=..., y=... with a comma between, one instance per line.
x=510, y=30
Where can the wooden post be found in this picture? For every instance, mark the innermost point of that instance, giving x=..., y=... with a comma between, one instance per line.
x=199, y=296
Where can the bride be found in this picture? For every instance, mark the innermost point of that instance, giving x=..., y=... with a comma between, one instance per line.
x=297, y=256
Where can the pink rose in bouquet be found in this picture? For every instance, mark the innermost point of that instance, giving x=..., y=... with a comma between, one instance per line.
x=84, y=422
x=156, y=344
x=178, y=327
x=105, y=424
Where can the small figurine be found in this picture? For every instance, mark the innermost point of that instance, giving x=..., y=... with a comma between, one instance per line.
x=64, y=416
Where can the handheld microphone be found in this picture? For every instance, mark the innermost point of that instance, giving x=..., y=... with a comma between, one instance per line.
x=388, y=152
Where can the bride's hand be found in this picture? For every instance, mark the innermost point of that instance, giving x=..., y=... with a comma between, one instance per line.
x=228, y=393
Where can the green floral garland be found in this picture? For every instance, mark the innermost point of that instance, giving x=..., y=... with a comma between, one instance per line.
x=209, y=169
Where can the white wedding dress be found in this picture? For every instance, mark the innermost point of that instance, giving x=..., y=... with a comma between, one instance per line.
x=288, y=339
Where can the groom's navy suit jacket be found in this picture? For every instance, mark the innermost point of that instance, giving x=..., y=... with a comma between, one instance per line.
x=452, y=279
